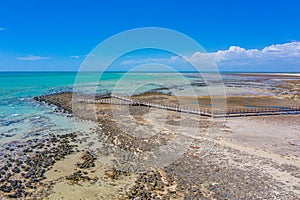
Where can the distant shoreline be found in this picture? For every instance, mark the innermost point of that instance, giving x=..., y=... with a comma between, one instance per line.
x=192, y=72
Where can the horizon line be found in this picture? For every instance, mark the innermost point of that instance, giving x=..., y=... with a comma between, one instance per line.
x=123, y=71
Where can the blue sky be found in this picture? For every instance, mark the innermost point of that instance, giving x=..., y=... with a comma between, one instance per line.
x=239, y=35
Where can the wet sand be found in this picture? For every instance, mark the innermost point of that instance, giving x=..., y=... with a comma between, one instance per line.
x=225, y=159
x=135, y=152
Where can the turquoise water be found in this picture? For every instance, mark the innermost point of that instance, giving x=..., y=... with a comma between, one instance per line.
x=20, y=116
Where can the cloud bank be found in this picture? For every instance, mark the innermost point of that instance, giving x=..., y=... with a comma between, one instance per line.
x=277, y=55
x=33, y=58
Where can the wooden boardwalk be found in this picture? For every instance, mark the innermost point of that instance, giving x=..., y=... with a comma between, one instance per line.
x=238, y=112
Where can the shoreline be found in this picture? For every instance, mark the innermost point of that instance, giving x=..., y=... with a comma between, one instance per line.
x=107, y=162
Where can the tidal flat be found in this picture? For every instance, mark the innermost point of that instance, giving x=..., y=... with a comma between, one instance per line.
x=138, y=152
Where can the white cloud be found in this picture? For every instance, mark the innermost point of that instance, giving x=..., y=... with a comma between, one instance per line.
x=33, y=58
x=287, y=54
x=2, y=28
x=75, y=57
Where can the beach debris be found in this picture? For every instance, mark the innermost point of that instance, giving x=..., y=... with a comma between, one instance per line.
x=80, y=176
x=195, y=147
x=295, y=143
x=88, y=160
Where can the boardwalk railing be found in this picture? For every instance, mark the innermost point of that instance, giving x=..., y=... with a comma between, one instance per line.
x=263, y=111
x=237, y=112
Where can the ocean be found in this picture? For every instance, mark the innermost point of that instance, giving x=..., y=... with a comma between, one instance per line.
x=20, y=115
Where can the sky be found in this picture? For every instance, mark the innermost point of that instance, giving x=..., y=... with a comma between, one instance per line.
x=238, y=35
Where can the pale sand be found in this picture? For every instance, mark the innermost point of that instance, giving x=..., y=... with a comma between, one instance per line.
x=255, y=136
x=275, y=134
x=104, y=188
x=267, y=146
x=276, y=138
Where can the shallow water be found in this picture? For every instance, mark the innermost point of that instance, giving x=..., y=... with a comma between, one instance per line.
x=21, y=117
